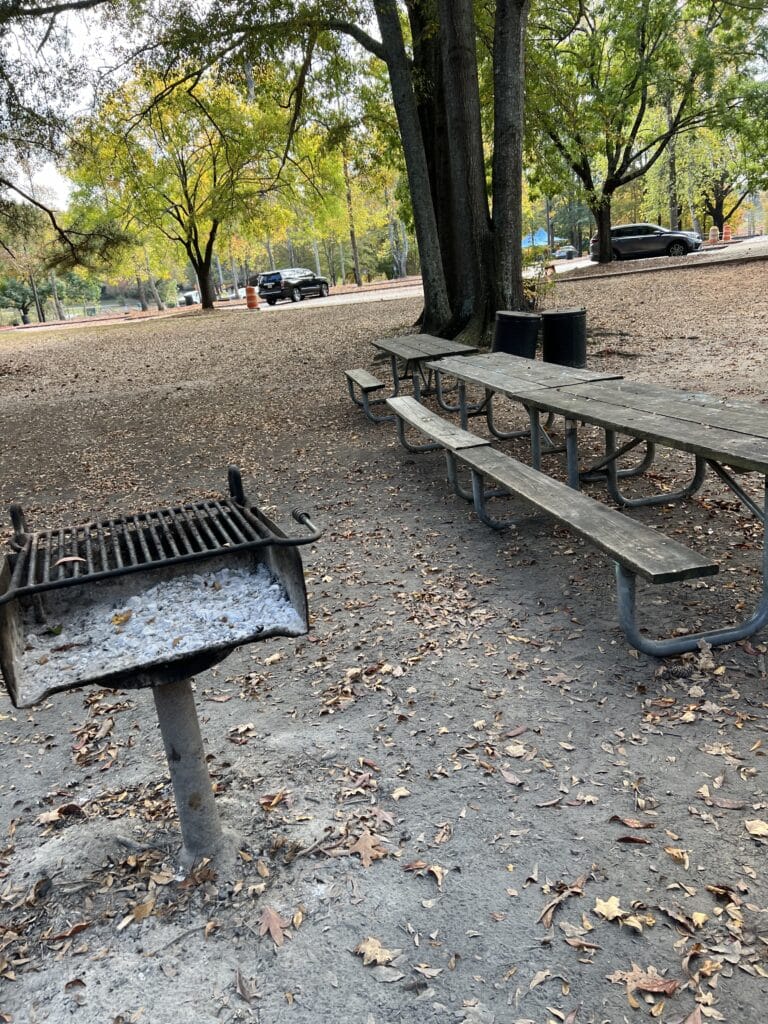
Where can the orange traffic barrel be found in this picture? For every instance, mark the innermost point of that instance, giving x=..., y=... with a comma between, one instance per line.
x=714, y=234
x=726, y=232
x=252, y=297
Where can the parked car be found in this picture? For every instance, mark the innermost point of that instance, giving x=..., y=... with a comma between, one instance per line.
x=566, y=252
x=647, y=240
x=292, y=283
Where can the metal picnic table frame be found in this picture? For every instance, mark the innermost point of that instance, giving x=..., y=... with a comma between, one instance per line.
x=722, y=435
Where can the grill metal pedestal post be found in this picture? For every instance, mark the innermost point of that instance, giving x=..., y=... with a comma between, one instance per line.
x=200, y=826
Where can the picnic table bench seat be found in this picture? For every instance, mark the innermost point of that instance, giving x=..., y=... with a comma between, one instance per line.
x=367, y=385
x=637, y=549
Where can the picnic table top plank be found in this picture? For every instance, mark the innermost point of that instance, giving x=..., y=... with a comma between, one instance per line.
x=696, y=407
x=646, y=551
x=417, y=347
x=549, y=374
x=508, y=374
x=734, y=448
x=486, y=374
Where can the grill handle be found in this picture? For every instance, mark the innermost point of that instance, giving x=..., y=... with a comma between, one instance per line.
x=303, y=519
x=237, y=493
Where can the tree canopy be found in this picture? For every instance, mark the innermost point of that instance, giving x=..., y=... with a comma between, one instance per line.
x=322, y=100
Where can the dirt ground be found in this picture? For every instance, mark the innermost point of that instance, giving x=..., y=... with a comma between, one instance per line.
x=462, y=796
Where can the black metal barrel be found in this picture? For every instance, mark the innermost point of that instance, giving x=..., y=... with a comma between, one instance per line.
x=564, y=337
x=516, y=333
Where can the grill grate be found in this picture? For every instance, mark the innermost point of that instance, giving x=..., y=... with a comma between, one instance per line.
x=74, y=555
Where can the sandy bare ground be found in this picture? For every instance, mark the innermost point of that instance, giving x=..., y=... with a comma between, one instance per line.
x=462, y=771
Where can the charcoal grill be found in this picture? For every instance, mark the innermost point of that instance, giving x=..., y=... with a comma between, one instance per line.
x=49, y=576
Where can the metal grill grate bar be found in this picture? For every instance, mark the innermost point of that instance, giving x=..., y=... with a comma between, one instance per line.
x=51, y=559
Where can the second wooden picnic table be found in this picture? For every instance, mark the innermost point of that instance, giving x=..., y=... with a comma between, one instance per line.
x=414, y=351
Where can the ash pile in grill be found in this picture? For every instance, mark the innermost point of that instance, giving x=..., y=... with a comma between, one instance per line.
x=90, y=635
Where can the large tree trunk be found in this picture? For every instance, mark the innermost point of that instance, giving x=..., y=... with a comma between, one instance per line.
x=509, y=91
x=437, y=311
x=600, y=207
x=202, y=261
x=429, y=83
x=205, y=284
x=466, y=160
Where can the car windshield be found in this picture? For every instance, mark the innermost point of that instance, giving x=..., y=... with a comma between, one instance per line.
x=273, y=276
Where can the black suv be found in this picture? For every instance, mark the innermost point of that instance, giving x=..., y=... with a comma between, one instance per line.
x=647, y=240
x=292, y=283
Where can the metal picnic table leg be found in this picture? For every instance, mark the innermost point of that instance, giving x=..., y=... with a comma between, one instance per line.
x=572, y=453
x=627, y=604
x=395, y=375
x=473, y=408
x=597, y=471
x=612, y=481
x=504, y=435
x=533, y=416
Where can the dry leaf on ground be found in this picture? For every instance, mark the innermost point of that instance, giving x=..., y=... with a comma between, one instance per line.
x=270, y=921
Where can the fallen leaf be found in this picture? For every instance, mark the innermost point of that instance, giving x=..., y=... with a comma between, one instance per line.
x=609, y=909
x=272, y=800
x=247, y=990
x=538, y=978
x=65, y=811
x=74, y=930
x=679, y=855
x=368, y=849
x=372, y=952
x=400, y=793
x=439, y=873
x=576, y=888
x=143, y=910
x=578, y=943
x=632, y=822
x=645, y=981
x=427, y=971
x=757, y=828
x=270, y=921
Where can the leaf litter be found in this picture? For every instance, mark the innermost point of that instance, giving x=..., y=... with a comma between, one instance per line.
x=443, y=661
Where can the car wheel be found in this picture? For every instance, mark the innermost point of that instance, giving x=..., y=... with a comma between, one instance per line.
x=616, y=254
x=676, y=249
x=271, y=302
x=295, y=294
x=323, y=291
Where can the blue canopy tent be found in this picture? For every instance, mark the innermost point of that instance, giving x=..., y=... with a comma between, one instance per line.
x=539, y=238
x=535, y=238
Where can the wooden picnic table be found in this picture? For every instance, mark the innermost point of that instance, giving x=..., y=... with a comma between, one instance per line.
x=414, y=351
x=722, y=434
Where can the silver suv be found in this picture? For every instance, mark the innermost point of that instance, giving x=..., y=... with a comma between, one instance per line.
x=647, y=240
